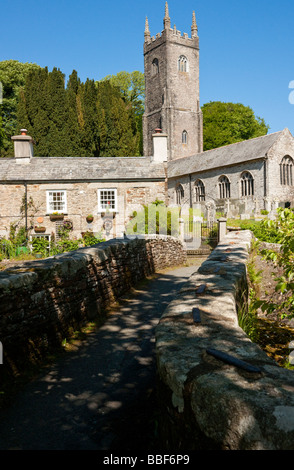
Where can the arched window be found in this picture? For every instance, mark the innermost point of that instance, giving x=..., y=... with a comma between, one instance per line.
x=199, y=191
x=286, y=171
x=155, y=67
x=224, y=187
x=184, y=137
x=247, y=184
x=183, y=64
x=179, y=194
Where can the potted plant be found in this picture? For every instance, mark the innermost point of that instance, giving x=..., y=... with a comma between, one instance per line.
x=56, y=216
x=40, y=229
x=89, y=218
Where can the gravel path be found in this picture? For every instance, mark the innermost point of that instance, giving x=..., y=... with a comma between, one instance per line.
x=102, y=396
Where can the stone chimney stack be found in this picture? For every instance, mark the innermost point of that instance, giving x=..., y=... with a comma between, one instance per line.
x=160, y=153
x=23, y=147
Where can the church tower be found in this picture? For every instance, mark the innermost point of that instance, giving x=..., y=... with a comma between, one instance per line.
x=171, y=63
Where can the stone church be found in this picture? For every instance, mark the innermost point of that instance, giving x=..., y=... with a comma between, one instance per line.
x=239, y=180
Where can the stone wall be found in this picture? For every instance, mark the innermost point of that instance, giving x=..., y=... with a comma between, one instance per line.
x=81, y=198
x=237, y=204
x=276, y=191
x=43, y=301
x=208, y=402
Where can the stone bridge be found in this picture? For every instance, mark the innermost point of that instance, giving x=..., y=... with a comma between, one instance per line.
x=217, y=390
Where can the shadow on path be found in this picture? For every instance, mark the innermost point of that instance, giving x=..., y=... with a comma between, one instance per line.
x=101, y=397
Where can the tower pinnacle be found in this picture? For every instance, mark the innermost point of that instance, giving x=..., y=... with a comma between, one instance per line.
x=194, y=29
x=166, y=20
x=147, y=31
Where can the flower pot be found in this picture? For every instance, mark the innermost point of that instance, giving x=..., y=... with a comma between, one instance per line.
x=55, y=217
x=40, y=229
x=89, y=219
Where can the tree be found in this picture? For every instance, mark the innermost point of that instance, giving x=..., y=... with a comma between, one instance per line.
x=228, y=123
x=44, y=110
x=74, y=124
x=12, y=77
x=117, y=131
x=132, y=88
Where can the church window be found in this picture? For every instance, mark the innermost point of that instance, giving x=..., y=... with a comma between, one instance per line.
x=179, y=194
x=224, y=187
x=183, y=64
x=199, y=191
x=184, y=137
x=286, y=171
x=56, y=201
x=107, y=200
x=155, y=67
x=247, y=184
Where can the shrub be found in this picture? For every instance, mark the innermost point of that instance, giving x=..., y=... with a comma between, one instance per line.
x=284, y=225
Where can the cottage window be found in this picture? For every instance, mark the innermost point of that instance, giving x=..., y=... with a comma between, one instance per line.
x=199, y=191
x=56, y=201
x=183, y=64
x=286, y=171
x=224, y=187
x=107, y=200
x=179, y=194
x=247, y=184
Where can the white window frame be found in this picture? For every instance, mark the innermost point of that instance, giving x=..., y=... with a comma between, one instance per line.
x=50, y=209
x=103, y=207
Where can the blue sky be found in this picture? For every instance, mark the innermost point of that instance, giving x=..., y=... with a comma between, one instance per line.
x=246, y=47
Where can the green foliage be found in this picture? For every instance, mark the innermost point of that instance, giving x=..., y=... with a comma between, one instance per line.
x=89, y=239
x=228, y=123
x=132, y=88
x=265, y=230
x=40, y=245
x=12, y=76
x=247, y=317
x=6, y=249
x=81, y=119
x=155, y=218
x=284, y=258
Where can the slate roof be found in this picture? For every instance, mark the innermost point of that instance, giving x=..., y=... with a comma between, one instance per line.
x=48, y=169
x=228, y=155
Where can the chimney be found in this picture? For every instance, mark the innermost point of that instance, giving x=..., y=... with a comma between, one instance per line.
x=23, y=147
x=159, y=146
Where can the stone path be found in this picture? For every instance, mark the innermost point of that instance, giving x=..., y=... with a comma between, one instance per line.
x=102, y=396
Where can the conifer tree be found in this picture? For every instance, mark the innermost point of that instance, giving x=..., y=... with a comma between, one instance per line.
x=58, y=139
x=73, y=123
x=12, y=77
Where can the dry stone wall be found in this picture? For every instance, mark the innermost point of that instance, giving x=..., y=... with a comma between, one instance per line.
x=217, y=389
x=43, y=301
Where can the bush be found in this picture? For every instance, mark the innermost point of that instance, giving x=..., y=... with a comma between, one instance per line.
x=284, y=227
x=265, y=230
